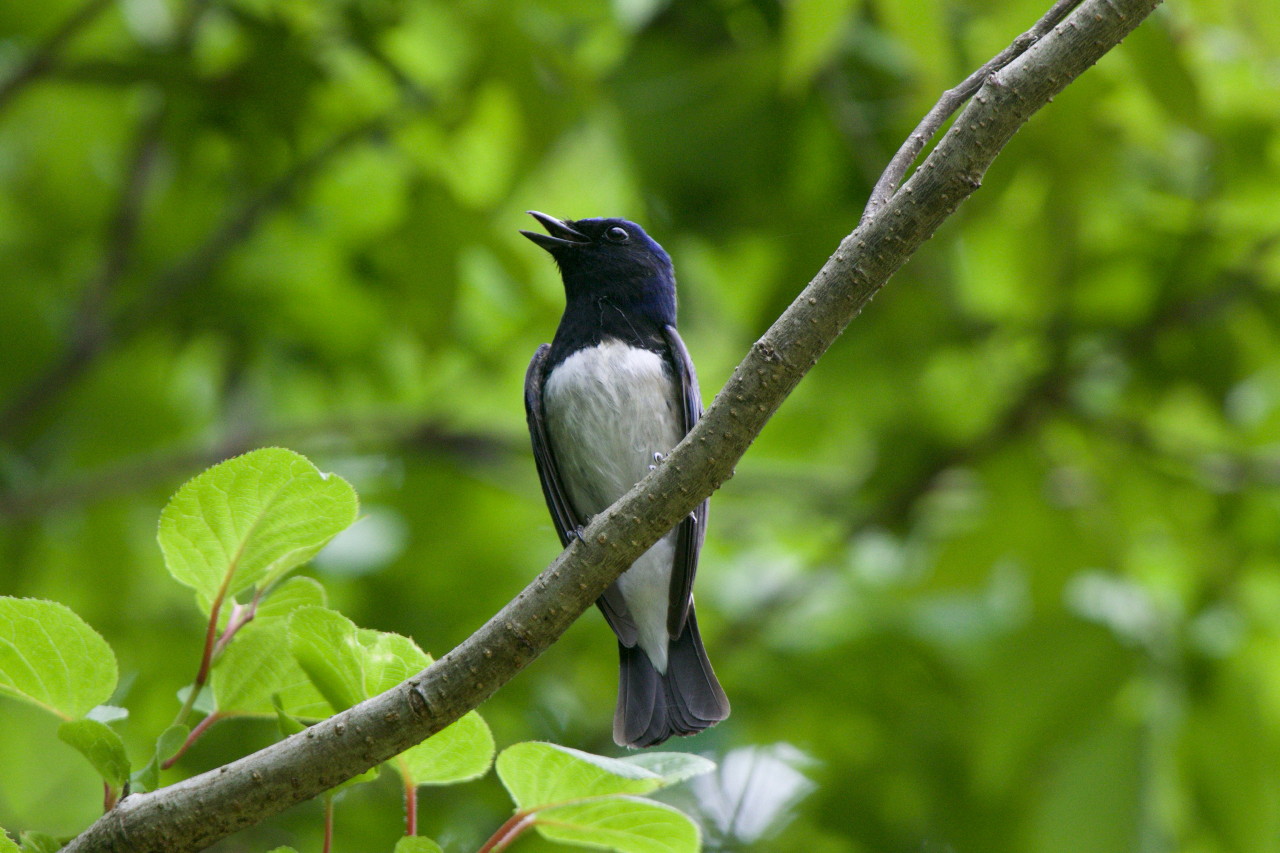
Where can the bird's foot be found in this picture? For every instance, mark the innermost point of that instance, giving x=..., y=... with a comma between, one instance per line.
x=657, y=460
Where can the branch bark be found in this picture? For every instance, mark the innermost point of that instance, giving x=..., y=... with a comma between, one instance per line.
x=193, y=813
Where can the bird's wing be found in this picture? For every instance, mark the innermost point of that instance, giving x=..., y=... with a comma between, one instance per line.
x=566, y=520
x=691, y=531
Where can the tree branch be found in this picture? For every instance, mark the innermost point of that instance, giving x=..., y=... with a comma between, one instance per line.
x=42, y=58
x=195, y=812
x=410, y=434
x=192, y=269
x=952, y=100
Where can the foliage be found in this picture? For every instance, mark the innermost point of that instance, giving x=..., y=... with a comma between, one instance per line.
x=589, y=800
x=257, y=516
x=1003, y=570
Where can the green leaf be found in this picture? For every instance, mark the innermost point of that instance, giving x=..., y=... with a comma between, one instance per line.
x=8, y=845
x=39, y=842
x=369, y=775
x=461, y=751
x=285, y=722
x=168, y=744
x=538, y=774
x=50, y=657
x=250, y=520
x=99, y=743
x=204, y=700
x=324, y=644
x=349, y=664
x=282, y=850
x=108, y=713
x=673, y=767
x=626, y=824
x=287, y=597
x=388, y=659
x=258, y=668
x=417, y=844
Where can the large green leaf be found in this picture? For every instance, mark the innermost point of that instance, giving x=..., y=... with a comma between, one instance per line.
x=461, y=751
x=39, y=842
x=539, y=774
x=50, y=657
x=347, y=665
x=258, y=666
x=673, y=767
x=147, y=777
x=388, y=659
x=250, y=520
x=622, y=823
x=99, y=743
x=417, y=844
x=294, y=593
x=324, y=644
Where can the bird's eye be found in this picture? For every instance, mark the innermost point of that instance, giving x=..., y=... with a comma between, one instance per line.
x=617, y=235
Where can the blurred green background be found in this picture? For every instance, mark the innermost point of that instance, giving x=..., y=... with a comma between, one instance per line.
x=1002, y=575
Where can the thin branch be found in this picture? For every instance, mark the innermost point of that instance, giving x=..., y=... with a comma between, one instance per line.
x=42, y=58
x=194, y=735
x=204, y=259
x=177, y=279
x=952, y=100
x=410, y=804
x=90, y=326
x=193, y=813
x=418, y=434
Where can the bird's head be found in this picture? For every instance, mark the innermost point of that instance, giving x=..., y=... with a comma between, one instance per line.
x=603, y=254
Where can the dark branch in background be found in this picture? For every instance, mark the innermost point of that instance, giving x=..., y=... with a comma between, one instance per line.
x=196, y=267
x=90, y=326
x=411, y=434
x=193, y=813
x=204, y=259
x=42, y=59
x=952, y=100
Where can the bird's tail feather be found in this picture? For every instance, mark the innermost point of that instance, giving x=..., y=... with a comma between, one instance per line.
x=653, y=706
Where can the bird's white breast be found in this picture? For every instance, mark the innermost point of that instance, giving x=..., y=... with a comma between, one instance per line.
x=609, y=409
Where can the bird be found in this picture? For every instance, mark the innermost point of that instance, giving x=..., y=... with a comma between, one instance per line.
x=613, y=392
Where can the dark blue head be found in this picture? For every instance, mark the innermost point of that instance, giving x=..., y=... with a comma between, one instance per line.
x=610, y=260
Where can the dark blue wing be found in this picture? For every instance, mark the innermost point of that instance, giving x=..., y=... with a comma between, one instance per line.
x=693, y=530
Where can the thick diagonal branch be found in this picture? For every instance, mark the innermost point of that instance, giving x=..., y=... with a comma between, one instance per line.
x=192, y=814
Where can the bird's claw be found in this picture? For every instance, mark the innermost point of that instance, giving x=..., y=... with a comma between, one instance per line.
x=657, y=460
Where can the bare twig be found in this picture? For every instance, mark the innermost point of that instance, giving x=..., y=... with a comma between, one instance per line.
x=952, y=100
x=91, y=324
x=205, y=258
x=409, y=432
x=195, y=267
x=195, y=812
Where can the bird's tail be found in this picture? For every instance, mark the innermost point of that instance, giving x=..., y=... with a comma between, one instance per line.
x=653, y=706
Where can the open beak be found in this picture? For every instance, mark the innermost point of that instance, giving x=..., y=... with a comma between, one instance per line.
x=559, y=234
